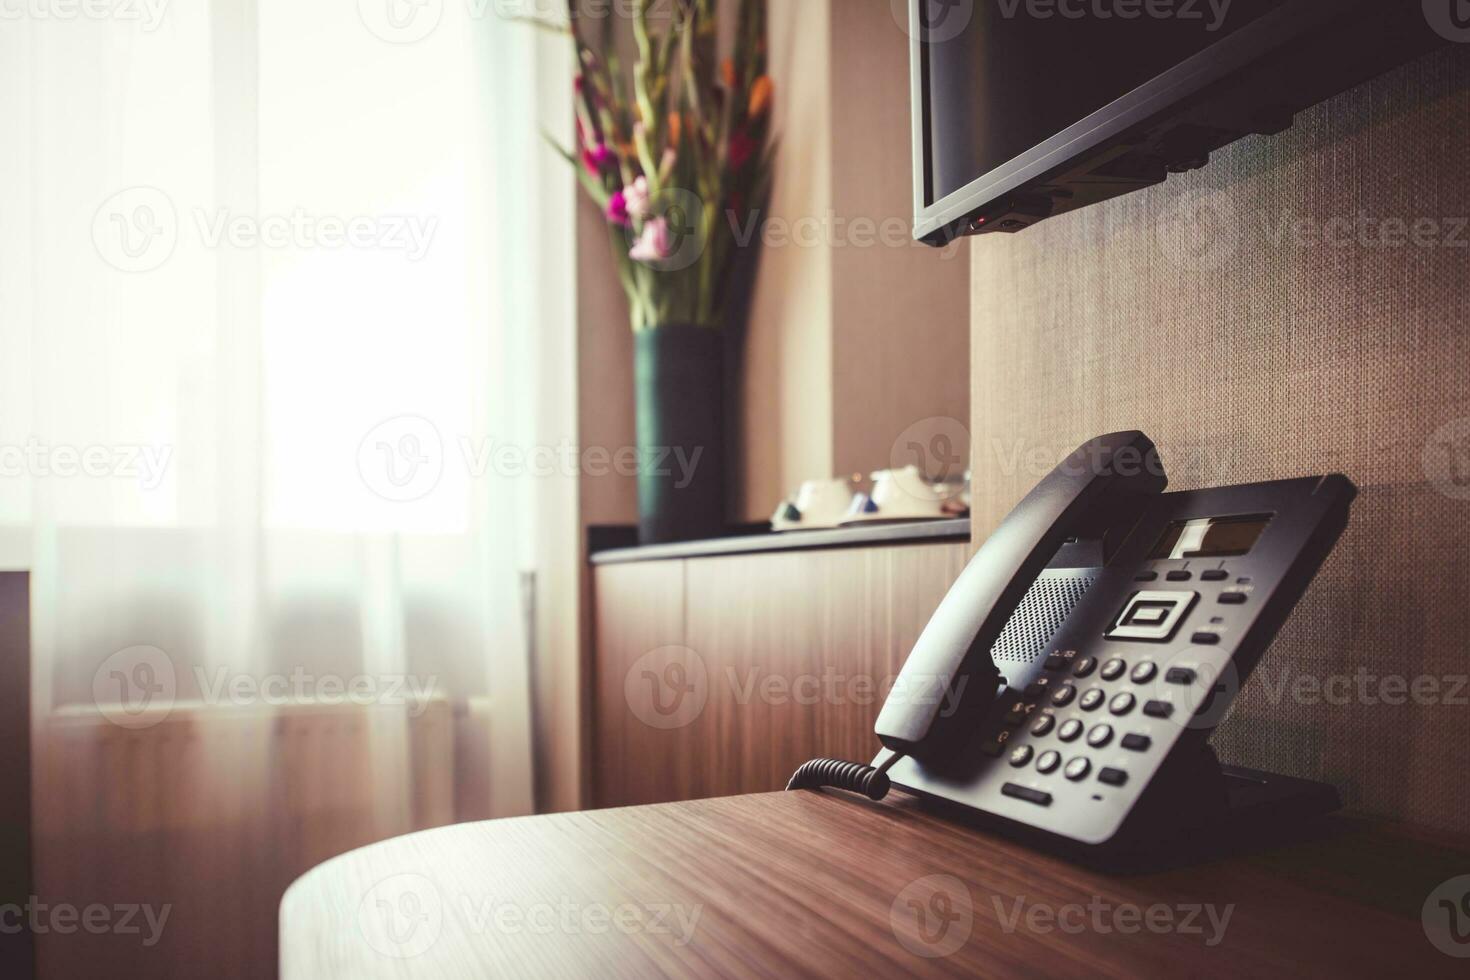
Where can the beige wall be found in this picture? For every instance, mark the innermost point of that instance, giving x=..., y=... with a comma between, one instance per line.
x=1205, y=313
x=851, y=340
x=900, y=309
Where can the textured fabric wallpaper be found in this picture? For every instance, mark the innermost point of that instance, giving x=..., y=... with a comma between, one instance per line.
x=1298, y=307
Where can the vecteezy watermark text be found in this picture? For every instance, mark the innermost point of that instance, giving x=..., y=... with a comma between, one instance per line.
x=97, y=919
x=1210, y=13
x=147, y=465
x=138, y=229
x=1103, y=917
x=148, y=14
x=403, y=916
x=403, y=459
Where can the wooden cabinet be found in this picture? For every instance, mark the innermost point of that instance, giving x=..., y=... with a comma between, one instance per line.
x=16, y=884
x=715, y=676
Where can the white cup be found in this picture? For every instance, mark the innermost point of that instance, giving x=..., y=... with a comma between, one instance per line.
x=905, y=493
x=824, y=503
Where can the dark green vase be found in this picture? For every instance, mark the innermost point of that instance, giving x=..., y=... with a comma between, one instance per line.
x=678, y=377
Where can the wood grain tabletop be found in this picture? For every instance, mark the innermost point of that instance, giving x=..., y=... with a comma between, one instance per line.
x=817, y=884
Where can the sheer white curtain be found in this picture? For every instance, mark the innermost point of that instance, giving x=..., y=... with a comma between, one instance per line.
x=285, y=389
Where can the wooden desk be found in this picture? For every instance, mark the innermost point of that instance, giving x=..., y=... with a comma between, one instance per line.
x=806, y=883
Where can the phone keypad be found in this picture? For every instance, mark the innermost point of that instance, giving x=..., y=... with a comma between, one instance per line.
x=1115, y=689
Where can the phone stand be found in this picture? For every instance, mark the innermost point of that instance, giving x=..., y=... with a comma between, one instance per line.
x=1194, y=810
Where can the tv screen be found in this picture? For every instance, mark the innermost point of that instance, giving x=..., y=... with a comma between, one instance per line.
x=1027, y=108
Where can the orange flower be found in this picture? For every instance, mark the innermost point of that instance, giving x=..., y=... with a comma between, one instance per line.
x=676, y=128
x=761, y=92
x=727, y=72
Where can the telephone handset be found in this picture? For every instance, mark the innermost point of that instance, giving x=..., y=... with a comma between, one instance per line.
x=1068, y=683
x=1111, y=474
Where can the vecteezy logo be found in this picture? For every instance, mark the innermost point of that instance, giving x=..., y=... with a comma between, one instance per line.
x=1201, y=692
x=402, y=916
x=667, y=688
x=135, y=687
x=938, y=20
x=933, y=917
x=136, y=230
x=402, y=459
x=1199, y=234
x=1446, y=917
x=1449, y=18
x=938, y=446
x=1447, y=459
x=685, y=221
x=400, y=21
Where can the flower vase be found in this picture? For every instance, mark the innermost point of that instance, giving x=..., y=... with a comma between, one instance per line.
x=679, y=388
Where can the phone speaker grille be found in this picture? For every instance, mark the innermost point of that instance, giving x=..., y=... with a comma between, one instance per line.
x=1046, y=606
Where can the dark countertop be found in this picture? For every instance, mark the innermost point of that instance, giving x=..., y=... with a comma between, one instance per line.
x=745, y=544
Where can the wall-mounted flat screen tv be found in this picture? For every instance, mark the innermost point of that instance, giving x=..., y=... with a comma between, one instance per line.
x=1024, y=109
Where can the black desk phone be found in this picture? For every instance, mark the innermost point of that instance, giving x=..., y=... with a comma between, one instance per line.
x=1067, y=686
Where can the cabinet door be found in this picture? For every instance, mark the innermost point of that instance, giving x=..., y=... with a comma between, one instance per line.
x=800, y=649
x=641, y=674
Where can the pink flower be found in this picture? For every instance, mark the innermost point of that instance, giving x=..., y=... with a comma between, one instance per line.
x=655, y=244
x=595, y=157
x=636, y=198
x=617, y=210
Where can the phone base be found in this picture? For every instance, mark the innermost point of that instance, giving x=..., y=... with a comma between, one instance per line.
x=1266, y=798
x=1197, y=810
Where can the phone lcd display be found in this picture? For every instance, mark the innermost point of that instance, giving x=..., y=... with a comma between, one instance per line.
x=1211, y=537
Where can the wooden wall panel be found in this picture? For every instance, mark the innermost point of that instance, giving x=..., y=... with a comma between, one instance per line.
x=789, y=655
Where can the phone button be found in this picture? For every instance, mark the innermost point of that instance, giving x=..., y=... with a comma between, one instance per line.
x=1044, y=725
x=1137, y=743
x=1113, y=669
x=1180, y=675
x=1070, y=730
x=1158, y=709
x=1122, y=704
x=1056, y=662
x=1144, y=672
x=1146, y=577
x=1078, y=768
x=1205, y=639
x=1092, y=700
x=1021, y=756
x=1100, y=736
x=1180, y=576
x=1232, y=598
x=1085, y=667
x=1026, y=793
x=1048, y=762
x=1063, y=695
x=1113, y=777
x=1214, y=575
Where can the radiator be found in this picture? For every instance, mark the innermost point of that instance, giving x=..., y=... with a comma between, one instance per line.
x=212, y=811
